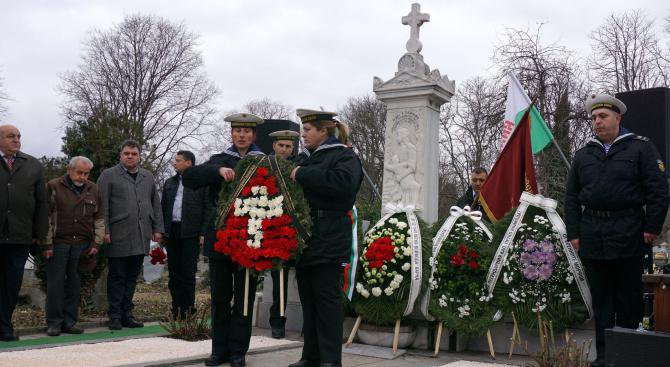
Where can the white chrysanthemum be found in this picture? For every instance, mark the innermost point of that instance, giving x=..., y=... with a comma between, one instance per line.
x=376, y=291
x=263, y=201
x=406, y=266
x=261, y=213
x=393, y=220
x=365, y=293
x=442, y=302
x=407, y=251
x=263, y=190
x=388, y=291
x=401, y=225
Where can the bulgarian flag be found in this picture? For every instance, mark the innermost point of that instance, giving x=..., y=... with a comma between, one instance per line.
x=512, y=174
x=517, y=103
x=349, y=281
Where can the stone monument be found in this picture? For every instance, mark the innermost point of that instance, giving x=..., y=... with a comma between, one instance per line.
x=413, y=98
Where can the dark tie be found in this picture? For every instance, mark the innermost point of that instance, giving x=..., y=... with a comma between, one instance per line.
x=10, y=161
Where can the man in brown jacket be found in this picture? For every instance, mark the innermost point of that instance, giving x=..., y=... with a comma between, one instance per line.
x=76, y=225
x=23, y=220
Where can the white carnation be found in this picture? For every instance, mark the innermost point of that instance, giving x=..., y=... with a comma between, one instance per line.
x=376, y=291
x=406, y=266
x=407, y=251
x=254, y=190
x=401, y=225
x=263, y=190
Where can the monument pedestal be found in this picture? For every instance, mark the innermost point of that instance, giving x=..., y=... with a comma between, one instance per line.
x=293, y=311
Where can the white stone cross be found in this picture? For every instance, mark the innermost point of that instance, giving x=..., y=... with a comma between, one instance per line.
x=415, y=19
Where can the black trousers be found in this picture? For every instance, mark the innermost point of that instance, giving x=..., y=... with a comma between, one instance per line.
x=320, y=289
x=63, y=285
x=231, y=330
x=182, y=264
x=12, y=261
x=121, y=283
x=276, y=320
x=616, y=289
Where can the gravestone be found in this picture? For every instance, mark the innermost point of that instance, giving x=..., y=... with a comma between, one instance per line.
x=413, y=98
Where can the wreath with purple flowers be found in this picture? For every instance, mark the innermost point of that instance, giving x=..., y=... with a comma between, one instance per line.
x=536, y=276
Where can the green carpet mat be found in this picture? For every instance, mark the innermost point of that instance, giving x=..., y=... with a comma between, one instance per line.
x=85, y=337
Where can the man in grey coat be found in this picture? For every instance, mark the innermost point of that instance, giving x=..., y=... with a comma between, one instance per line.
x=132, y=212
x=23, y=220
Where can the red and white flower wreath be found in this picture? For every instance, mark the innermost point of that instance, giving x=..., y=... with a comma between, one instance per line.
x=258, y=234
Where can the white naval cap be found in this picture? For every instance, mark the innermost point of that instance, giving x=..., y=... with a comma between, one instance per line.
x=596, y=101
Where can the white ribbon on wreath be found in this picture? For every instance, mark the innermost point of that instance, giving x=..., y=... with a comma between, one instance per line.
x=549, y=206
x=415, y=242
x=455, y=212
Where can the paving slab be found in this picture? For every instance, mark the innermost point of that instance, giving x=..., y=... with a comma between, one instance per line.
x=372, y=351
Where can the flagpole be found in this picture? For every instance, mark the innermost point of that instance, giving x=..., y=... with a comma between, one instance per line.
x=560, y=151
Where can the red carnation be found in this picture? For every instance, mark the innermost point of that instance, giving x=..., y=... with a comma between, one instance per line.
x=473, y=265
x=473, y=254
x=262, y=171
x=457, y=260
x=462, y=250
x=246, y=191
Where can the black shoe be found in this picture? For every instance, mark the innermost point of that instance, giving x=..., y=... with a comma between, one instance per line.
x=131, y=323
x=330, y=365
x=304, y=363
x=237, y=362
x=114, y=324
x=215, y=360
x=53, y=330
x=72, y=329
x=10, y=337
x=278, y=333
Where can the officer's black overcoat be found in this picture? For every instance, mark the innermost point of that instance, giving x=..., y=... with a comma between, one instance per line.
x=611, y=199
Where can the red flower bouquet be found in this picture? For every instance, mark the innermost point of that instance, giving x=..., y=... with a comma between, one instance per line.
x=259, y=231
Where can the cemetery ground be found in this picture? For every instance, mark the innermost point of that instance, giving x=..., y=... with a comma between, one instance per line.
x=153, y=346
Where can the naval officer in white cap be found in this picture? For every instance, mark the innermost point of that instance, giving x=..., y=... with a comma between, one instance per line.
x=615, y=205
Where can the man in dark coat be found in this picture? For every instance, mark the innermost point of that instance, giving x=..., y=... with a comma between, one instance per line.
x=477, y=178
x=184, y=216
x=330, y=177
x=23, y=220
x=231, y=330
x=133, y=217
x=283, y=146
x=615, y=204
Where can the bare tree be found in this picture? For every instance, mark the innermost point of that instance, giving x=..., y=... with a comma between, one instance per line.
x=366, y=116
x=626, y=54
x=269, y=109
x=470, y=128
x=146, y=70
x=3, y=96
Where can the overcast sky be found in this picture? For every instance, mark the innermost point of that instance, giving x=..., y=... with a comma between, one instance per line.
x=301, y=53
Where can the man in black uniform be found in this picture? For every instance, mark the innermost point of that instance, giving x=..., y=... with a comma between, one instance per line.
x=615, y=204
x=283, y=145
x=330, y=178
x=477, y=178
x=184, y=218
x=231, y=330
